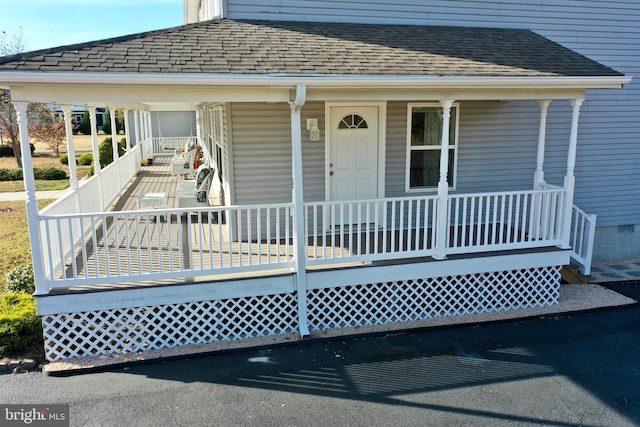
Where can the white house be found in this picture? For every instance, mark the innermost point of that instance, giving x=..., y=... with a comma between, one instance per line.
x=375, y=163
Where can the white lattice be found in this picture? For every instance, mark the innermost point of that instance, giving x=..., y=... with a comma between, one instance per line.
x=146, y=328
x=406, y=300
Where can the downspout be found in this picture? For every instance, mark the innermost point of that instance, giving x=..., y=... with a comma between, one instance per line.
x=300, y=259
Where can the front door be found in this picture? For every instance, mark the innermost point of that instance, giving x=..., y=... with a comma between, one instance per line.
x=353, y=159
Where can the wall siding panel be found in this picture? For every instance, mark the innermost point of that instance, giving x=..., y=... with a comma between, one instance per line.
x=609, y=136
x=262, y=153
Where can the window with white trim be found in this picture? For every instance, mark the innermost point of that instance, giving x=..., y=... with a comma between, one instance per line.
x=424, y=146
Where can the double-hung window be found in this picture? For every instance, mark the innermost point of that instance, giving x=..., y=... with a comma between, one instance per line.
x=424, y=146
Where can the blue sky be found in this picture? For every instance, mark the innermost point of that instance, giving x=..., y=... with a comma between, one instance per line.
x=51, y=23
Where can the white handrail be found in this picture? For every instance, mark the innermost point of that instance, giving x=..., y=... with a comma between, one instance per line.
x=583, y=230
x=370, y=230
x=167, y=145
x=504, y=221
x=114, y=247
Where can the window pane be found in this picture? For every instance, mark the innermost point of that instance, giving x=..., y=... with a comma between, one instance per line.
x=452, y=128
x=425, y=168
x=353, y=121
x=426, y=126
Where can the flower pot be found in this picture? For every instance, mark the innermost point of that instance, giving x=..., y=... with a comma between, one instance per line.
x=149, y=162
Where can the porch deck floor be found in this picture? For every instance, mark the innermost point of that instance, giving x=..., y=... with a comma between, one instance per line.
x=155, y=178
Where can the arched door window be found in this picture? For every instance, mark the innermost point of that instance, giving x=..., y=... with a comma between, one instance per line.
x=353, y=121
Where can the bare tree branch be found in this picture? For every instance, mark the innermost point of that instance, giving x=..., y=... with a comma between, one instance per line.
x=9, y=45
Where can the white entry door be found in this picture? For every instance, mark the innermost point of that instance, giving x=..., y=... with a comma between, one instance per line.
x=353, y=159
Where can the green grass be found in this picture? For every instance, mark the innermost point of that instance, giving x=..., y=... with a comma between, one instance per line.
x=14, y=237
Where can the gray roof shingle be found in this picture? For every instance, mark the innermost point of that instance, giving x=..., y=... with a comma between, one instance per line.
x=308, y=48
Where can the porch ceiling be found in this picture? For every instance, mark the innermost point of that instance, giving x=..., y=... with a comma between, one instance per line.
x=272, y=56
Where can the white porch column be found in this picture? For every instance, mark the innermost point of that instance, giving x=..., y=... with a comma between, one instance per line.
x=136, y=121
x=32, y=203
x=538, y=177
x=442, y=229
x=114, y=134
x=199, y=128
x=97, y=167
x=148, y=134
x=569, y=179
x=127, y=133
x=71, y=152
x=300, y=259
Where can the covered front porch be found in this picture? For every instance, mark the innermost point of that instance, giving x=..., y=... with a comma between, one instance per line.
x=239, y=271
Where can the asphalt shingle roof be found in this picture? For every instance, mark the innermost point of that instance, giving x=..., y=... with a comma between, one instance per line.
x=307, y=48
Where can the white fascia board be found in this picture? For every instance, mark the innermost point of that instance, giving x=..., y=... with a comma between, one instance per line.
x=10, y=78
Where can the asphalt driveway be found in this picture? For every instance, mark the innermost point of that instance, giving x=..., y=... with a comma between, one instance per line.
x=566, y=370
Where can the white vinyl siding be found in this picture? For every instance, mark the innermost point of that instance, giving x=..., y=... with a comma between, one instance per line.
x=609, y=130
x=262, y=153
x=496, y=148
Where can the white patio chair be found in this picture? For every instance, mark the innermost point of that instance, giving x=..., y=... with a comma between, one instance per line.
x=182, y=163
x=195, y=193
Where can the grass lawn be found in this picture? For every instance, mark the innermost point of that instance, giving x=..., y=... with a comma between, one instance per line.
x=14, y=237
x=41, y=185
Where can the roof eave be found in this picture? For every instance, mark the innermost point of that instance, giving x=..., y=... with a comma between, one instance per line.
x=21, y=78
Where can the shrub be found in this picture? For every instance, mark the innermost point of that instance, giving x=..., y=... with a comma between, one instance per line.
x=10, y=174
x=106, y=124
x=85, y=159
x=20, y=325
x=106, y=151
x=49, y=173
x=64, y=159
x=20, y=279
x=84, y=127
x=6, y=151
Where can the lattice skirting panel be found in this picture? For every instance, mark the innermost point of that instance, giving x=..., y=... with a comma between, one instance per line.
x=137, y=329
x=408, y=300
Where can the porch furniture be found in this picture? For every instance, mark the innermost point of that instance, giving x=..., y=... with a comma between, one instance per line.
x=182, y=163
x=195, y=193
x=169, y=145
x=152, y=201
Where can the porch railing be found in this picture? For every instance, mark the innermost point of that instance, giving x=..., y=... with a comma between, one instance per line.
x=61, y=237
x=370, y=230
x=502, y=221
x=167, y=145
x=113, y=247
x=583, y=230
